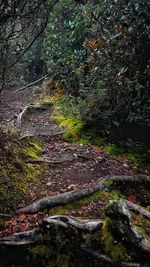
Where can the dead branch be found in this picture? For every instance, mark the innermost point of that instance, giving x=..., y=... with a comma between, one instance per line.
x=30, y=84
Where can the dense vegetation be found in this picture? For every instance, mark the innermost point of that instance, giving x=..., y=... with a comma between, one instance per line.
x=74, y=114
x=98, y=50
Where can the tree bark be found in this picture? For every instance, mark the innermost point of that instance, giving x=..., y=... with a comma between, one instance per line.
x=65, y=198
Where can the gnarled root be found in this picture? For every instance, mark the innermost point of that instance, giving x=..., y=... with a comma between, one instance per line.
x=65, y=198
x=119, y=212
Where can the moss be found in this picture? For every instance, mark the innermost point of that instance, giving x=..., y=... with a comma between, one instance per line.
x=41, y=250
x=75, y=129
x=115, y=250
x=48, y=256
x=141, y=224
x=33, y=149
x=16, y=175
x=114, y=149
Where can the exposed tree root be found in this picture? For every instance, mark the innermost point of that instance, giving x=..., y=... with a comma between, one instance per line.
x=47, y=226
x=65, y=198
x=30, y=134
x=67, y=221
x=139, y=210
x=22, y=238
x=27, y=109
x=50, y=162
x=104, y=259
x=70, y=158
x=121, y=222
x=119, y=212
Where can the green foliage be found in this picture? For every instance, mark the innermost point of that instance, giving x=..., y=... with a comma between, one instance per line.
x=99, y=52
x=67, y=115
x=136, y=153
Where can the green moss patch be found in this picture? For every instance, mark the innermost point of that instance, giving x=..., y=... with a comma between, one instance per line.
x=16, y=175
x=135, y=153
x=141, y=224
x=33, y=149
x=114, y=249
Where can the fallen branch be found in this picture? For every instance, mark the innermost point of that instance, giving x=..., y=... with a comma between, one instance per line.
x=30, y=84
x=22, y=115
x=65, y=198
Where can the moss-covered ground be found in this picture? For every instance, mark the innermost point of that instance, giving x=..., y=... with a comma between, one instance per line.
x=16, y=175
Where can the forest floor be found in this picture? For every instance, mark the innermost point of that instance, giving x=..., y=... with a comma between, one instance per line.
x=64, y=166
x=78, y=165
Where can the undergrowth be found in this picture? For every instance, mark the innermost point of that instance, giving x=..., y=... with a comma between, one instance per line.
x=66, y=113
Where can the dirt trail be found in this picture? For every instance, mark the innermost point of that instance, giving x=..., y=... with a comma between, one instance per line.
x=77, y=165
x=83, y=164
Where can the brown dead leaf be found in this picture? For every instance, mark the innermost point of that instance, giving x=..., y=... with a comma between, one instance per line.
x=99, y=159
x=132, y=198
x=23, y=216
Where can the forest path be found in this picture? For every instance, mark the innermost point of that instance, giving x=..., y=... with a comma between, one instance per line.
x=81, y=164
x=75, y=165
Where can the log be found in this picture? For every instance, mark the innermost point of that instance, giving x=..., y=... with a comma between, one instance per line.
x=65, y=198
